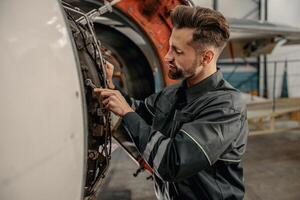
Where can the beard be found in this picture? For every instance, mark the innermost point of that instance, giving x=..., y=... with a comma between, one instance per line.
x=176, y=73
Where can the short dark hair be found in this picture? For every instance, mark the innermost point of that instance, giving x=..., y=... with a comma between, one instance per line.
x=211, y=27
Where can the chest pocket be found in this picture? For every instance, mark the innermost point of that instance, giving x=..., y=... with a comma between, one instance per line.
x=168, y=119
x=170, y=124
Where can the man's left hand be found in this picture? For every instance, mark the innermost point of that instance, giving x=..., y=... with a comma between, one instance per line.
x=114, y=101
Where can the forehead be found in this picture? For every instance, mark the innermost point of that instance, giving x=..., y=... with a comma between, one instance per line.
x=181, y=37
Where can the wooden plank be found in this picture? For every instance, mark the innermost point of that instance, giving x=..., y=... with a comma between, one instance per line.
x=269, y=131
x=267, y=112
x=283, y=102
x=263, y=120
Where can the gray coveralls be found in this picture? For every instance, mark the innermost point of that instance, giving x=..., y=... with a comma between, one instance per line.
x=194, y=139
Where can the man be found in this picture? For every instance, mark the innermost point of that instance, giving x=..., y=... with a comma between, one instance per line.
x=192, y=134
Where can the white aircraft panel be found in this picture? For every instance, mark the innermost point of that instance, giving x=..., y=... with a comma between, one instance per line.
x=41, y=118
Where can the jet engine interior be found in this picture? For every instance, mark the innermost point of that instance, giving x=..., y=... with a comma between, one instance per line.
x=91, y=56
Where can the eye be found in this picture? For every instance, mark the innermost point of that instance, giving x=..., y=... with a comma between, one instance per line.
x=178, y=51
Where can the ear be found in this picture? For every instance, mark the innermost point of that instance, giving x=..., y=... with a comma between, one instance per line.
x=208, y=56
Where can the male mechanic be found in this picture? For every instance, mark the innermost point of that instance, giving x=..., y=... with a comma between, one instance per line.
x=193, y=134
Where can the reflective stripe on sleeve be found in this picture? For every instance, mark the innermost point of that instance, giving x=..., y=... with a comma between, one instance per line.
x=197, y=145
x=151, y=144
x=160, y=153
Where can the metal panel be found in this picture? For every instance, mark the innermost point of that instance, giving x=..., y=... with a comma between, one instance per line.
x=41, y=118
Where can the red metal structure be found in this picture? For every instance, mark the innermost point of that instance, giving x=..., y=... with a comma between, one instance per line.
x=153, y=16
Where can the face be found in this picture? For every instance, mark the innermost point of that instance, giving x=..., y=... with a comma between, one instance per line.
x=183, y=60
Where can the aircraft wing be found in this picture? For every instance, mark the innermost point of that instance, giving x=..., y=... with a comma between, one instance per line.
x=252, y=38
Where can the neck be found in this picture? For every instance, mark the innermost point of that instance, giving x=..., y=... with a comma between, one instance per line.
x=205, y=72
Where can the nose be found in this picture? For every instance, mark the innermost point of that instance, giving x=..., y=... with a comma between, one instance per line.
x=169, y=56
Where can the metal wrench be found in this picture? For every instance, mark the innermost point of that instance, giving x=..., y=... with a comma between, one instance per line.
x=89, y=82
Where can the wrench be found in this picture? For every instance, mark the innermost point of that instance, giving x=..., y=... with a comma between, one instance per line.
x=89, y=82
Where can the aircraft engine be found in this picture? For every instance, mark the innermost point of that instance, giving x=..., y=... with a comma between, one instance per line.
x=92, y=62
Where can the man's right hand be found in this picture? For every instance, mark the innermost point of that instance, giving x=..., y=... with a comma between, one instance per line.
x=109, y=75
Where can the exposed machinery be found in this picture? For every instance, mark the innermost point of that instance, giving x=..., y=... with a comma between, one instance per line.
x=92, y=63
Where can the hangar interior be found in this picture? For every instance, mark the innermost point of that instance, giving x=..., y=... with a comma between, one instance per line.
x=59, y=142
x=270, y=83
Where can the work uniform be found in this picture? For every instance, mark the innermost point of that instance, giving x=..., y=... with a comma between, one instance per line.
x=193, y=138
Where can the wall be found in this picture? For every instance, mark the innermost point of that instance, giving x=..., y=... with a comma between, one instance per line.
x=285, y=12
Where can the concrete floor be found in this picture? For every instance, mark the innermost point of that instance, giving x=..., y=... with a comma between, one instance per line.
x=272, y=167
x=122, y=185
x=272, y=171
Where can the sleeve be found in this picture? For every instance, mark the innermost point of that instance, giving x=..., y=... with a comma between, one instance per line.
x=145, y=108
x=196, y=146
